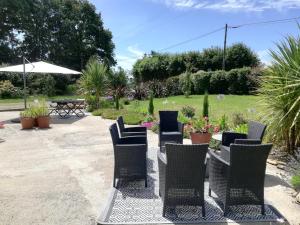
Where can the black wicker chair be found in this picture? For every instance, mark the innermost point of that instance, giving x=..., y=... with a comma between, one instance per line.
x=170, y=130
x=130, y=156
x=256, y=132
x=130, y=131
x=182, y=174
x=240, y=181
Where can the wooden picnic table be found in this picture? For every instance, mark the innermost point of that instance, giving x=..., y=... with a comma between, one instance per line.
x=67, y=107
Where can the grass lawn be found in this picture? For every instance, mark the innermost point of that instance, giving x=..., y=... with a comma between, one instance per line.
x=31, y=98
x=248, y=105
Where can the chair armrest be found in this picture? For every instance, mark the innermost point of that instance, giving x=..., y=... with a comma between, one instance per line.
x=218, y=157
x=247, y=141
x=135, y=129
x=229, y=137
x=130, y=134
x=131, y=147
x=133, y=140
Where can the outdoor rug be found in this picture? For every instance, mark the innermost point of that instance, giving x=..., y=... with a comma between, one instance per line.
x=132, y=203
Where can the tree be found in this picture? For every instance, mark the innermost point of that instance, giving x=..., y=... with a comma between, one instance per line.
x=93, y=79
x=66, y=32
x=280, y=92
x=151, y=105
x=117, y=83
x=239, y=55
x=205, y=105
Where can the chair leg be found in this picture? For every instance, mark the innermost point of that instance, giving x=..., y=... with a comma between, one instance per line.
x=225, y=209
x=164, y=210
x=203, y=210
x=146, y=182
x=209, y=192
x=114, y=183
x=263, y=209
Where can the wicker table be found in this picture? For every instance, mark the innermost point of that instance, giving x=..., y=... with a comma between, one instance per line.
x=67, y=107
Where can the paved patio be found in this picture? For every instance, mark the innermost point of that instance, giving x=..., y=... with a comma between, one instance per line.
x=63, y=175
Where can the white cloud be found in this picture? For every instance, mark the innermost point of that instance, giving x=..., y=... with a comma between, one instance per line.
x=264, y=56
x=129, y=58
x=233, y=5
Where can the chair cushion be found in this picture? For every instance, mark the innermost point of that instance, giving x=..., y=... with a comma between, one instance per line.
x=171, y=133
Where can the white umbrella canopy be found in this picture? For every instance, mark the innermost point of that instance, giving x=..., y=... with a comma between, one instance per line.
x=39, y=67
x=36, y=67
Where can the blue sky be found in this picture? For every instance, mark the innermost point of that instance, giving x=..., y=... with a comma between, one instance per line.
x=139, y=26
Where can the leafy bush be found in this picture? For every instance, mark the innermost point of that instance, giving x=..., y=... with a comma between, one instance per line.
x=280, y=93
x=238, y=119
x=126, y=101
x=238, y=81
x=296, y=181
x=8, y=90
x=188, y=111
x=201, y=82
x=218, y=82
x=173, y=86
x=223, y=123
x=242, y=128
x=183, y=119
x=186, y=89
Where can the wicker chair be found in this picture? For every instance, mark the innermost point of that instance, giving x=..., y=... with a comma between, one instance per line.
x=182, y=174
x=130, y=131
x=170, y=130
x=240, y=181
x=256, y=132
x=130, y=156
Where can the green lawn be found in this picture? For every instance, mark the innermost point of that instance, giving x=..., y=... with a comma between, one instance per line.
x=248, y=105
x=31, y=98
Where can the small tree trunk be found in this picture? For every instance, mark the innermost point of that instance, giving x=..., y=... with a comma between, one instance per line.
x=293, y=140
x=117, y=102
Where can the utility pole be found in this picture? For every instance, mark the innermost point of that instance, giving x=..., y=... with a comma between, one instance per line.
x=224, y=50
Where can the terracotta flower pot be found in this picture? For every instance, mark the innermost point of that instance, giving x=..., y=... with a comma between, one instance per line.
x=43, y=121
x=200, y=138
x=35, y=122
x=27, y=122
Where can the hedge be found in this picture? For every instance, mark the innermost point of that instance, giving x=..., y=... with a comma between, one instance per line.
x=241, y=81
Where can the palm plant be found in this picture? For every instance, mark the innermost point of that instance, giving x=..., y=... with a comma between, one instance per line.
x=117, y=83
x=280, y=91
x=93, y=79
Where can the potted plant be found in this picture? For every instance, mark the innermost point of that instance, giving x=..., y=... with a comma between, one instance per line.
x=27, y=119
x=201, y=131
x=42, y=115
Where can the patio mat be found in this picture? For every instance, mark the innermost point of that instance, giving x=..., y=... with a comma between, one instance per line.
x=132, y=203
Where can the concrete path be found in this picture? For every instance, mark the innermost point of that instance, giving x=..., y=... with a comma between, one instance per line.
x=63, y=175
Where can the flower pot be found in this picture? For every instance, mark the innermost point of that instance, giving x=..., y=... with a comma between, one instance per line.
x=43, y=121
x=35, y=122
x=200, y=138
x=27, y=122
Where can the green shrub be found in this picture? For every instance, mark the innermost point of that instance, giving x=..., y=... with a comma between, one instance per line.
x=205, y=105
x=186, y=88
x=183, y=119
x=223, y=123
x=8, y=90
x=173, y=86
x=238, y=119
x=188, y=111
x=241, y=128
x=126, y=101
x=238, y=81
x=296, y=181
x=201, y=82
x=151, y=105
x=72, y=89
x=218, y=82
